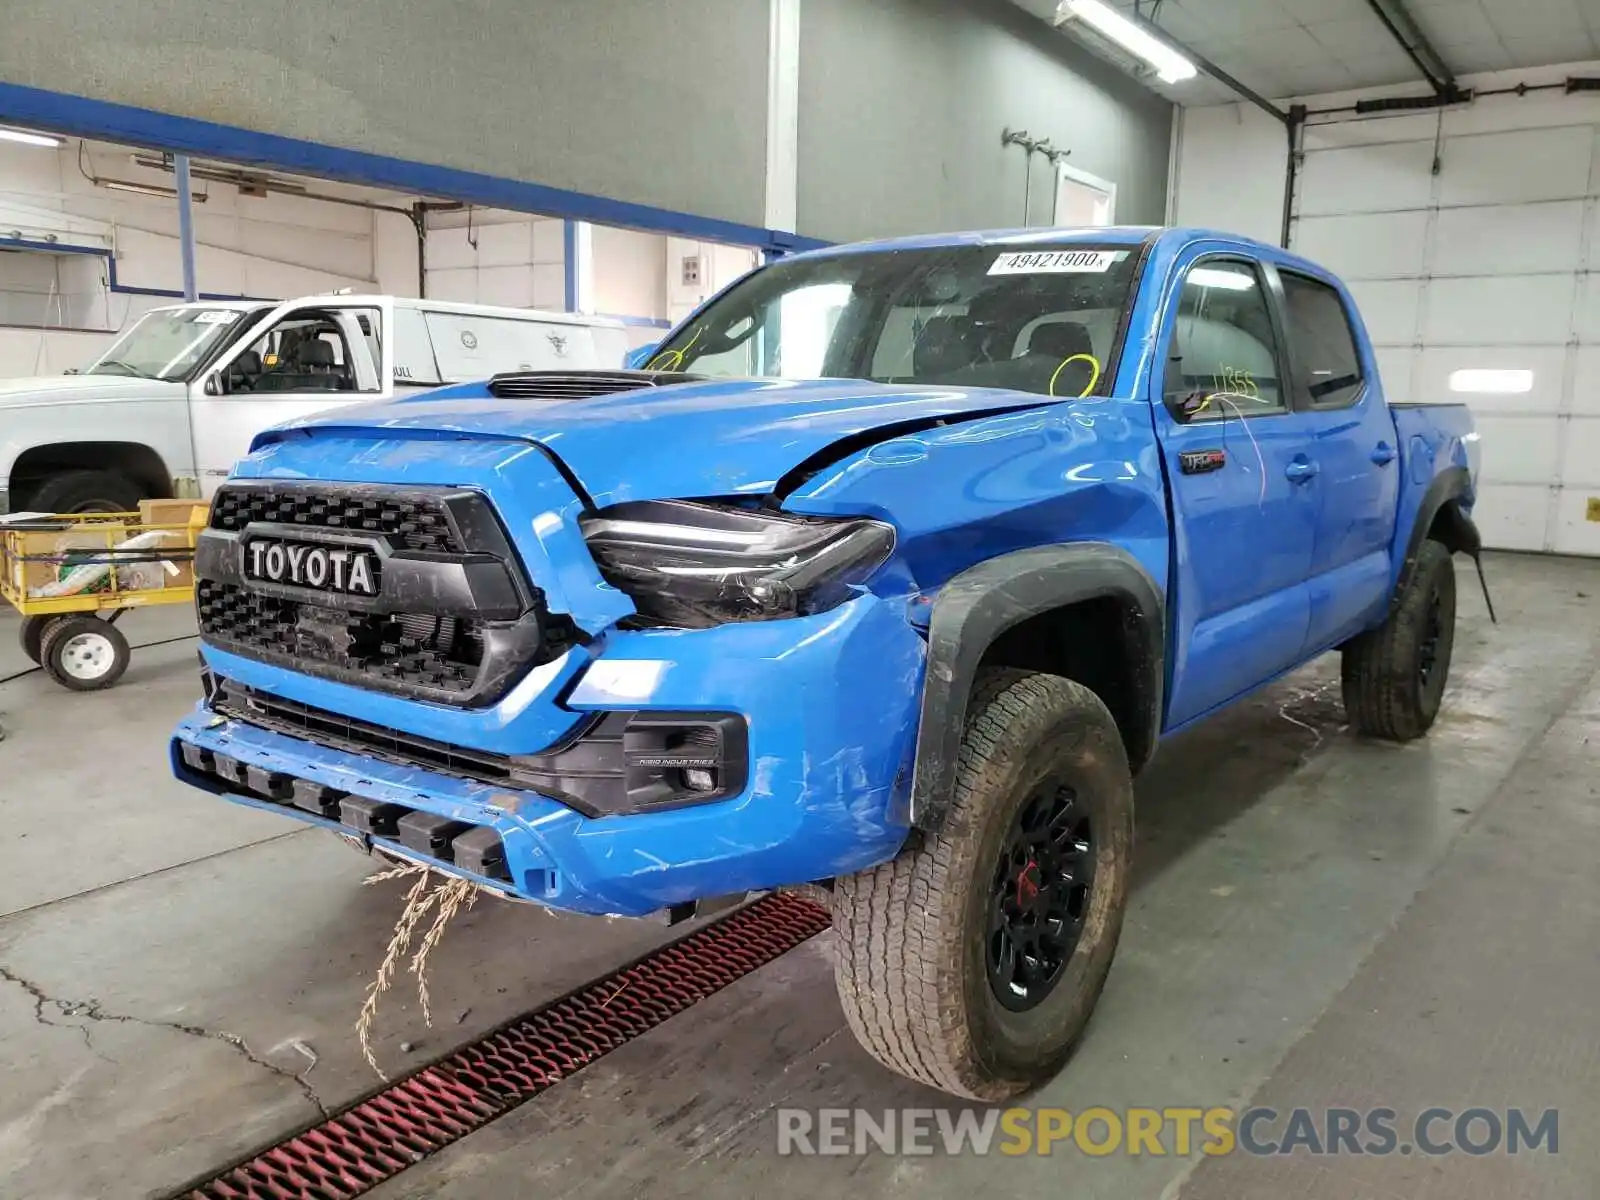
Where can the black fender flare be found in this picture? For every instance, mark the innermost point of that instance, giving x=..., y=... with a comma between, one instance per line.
x=1461, y=534
x=981, y=603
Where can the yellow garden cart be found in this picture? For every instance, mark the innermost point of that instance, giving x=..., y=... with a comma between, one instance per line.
x=71, y=576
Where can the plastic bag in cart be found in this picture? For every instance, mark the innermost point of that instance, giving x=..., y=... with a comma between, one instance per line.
x=133, y=576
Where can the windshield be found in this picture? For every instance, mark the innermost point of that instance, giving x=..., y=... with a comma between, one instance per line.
x=168, y=343
x=1040, y=319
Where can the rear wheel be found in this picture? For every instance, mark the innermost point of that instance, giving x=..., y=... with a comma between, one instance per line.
x=87, y=492
x=84, y=653
x=972, y=961
x=1394, y=676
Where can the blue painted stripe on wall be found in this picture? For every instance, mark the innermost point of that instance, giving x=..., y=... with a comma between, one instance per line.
x=122, y=289
x=10, y=243
x=59, y=112
x=129, y=290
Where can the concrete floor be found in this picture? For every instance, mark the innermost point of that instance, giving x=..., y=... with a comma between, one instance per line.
x=1316, y=920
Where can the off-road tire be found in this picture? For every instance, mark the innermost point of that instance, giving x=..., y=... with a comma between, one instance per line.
x=84, y=665
x=87, y=491
x=911, y=934
x=1385, y=693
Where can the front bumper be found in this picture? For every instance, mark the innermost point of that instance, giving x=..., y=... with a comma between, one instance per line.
x=830, y=702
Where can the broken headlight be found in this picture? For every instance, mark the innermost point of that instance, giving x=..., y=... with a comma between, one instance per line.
x=698, y=564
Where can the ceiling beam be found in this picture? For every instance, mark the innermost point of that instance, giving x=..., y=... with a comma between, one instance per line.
x=1404, y=29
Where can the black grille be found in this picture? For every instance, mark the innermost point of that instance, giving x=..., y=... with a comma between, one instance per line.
x=409, y=650
x=342, y=733
x=454, y=620
x=407, y=521
x=577, y=385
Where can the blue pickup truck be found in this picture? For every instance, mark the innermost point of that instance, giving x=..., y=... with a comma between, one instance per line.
x=885, y=575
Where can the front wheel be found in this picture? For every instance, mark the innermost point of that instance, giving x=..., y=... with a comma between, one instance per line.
x=972, y=961
x=1393, y=676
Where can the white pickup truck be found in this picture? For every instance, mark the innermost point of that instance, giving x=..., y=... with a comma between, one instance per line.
x=175, y=401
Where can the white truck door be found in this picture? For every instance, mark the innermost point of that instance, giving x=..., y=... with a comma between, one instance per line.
x=303, y=357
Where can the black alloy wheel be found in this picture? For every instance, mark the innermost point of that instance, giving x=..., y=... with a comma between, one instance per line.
x=1039, y=897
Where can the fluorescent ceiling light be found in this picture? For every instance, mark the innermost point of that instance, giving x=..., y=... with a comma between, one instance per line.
x=1485, y=381
x=1231, y=281
x=1171, y=67
x=147, y=189
x=46, y=140
x=241, y=179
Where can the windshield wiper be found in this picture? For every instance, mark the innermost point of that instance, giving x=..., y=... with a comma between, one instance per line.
x=126, y=369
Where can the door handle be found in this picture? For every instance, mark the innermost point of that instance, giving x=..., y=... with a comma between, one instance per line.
x=1300, y=470
x=1383, y=455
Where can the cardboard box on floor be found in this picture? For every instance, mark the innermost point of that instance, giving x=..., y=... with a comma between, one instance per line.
x=173, y=512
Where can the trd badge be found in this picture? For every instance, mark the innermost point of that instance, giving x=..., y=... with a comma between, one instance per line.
x=1198, y=462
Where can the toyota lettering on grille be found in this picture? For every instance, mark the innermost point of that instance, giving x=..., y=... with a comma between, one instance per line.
x=338, y=569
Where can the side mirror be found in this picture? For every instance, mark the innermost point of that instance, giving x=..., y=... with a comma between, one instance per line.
x=213, y=385
x=637, y=358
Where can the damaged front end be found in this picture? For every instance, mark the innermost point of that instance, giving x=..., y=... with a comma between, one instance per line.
x=670, y=732
x=701, y=564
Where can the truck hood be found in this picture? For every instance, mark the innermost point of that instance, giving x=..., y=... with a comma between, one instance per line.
x=38, y=390
x=711, y=438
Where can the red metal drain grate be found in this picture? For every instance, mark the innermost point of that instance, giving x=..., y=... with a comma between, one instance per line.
x=378, y=1138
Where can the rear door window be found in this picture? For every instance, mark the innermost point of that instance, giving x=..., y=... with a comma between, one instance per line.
x=1327, y=365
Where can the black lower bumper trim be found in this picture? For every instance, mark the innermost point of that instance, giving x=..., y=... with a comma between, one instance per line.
x=429, y=833
x=613, y=764
x=480, y=852
x=371, y=817
x=314, y=798
x=476, y=849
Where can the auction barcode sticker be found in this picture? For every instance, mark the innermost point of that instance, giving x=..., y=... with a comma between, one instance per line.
x=1056, y=262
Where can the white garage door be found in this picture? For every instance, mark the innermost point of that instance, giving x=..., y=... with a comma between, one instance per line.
x=1468, y=238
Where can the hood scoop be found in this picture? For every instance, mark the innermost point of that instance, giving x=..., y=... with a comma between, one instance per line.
x=579, y=385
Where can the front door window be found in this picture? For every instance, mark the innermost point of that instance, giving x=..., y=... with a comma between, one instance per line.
x=310, y=351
